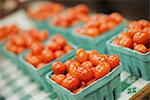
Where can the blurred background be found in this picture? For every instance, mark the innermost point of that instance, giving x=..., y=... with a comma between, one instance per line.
x=131, y=9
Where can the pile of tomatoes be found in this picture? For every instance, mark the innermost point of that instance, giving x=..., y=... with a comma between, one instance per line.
x=8, y=31
x=45, y=10
x=99, y=24
x=137, y=37
x=23, y=40
x=72, y=16
x=40, y=54
x=89, y=66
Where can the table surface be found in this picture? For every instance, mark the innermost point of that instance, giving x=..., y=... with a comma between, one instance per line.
x=15, y=85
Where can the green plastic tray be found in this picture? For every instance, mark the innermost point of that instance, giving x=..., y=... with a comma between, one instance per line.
x=14, y=58
x=98, y=43
x=38, y=75
x=133, y=62
x=106, y=88
x=41, y=24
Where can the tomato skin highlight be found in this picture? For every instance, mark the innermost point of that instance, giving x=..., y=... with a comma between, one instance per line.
x=73, y=68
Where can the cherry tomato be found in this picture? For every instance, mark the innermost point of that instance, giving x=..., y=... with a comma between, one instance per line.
x=78, y=90
x=102, y=69
x=36, y=48
x=67, y=48
x=85, y=74
x=90, y=82
x=103, y=57
x=40, y=65
x=87, y=64
x=144, y=23
x=116, y=17
x=116, y=41
x=43, y=35
x=126, y=42
x=58, y=78
x=134, y=44
x=47, y=55
x=20, y=49
x=19, y=41
x=91, y=52
x=61, y=41
x=34, y=60
x=53, y=46
x=113, y=60
x=81, y=55
x=148, y=50
x=58, y=67
x=92, y=31
x=95, y=59
x=58, y=53
x=73, y=67
x=141, y=48
x=141, y=38
x=71, y=83
x=67, y=63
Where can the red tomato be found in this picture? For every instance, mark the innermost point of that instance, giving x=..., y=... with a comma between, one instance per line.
x=20, y=50
x=55, y=37
x=103, y=57
x=94, y=58
x=90, y=82
x=36, y=48
x=58, y=53
x=61, y=41
x=58, y=67
x=85, y=74
x=81, y=55
x=40, y=65
x=116, y=17
x=91, y=52
x=102, y=69
x=92, y=31
x=141, y=48
x=58, y=78
x=73, y=68
x=134, y=44
x=113, y=60
x=43, y=35
x=144, y=23
x=78, y=90
x=34, y=60
x=18, y=40
x=47, y=55
x=87, y=64
x=83, y=9
x=141, y=38
x=67, y=63
x=67, y=48
x=126, y=42
x=148, y=50
x=53, y=46
x=116, y=41
x=71, y=83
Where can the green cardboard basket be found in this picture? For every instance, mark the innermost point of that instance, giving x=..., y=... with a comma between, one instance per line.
x=41, y=24
x=38, y=75
x=106, y=88
x=98, y=43
x=133, y=61
x=14, y=58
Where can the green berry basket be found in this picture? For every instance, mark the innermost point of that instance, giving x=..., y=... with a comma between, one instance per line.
x=98, y=43
x=106, y=88
x=132, y=61
x=41, y=24
x=38, y=75
x=14, y=58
